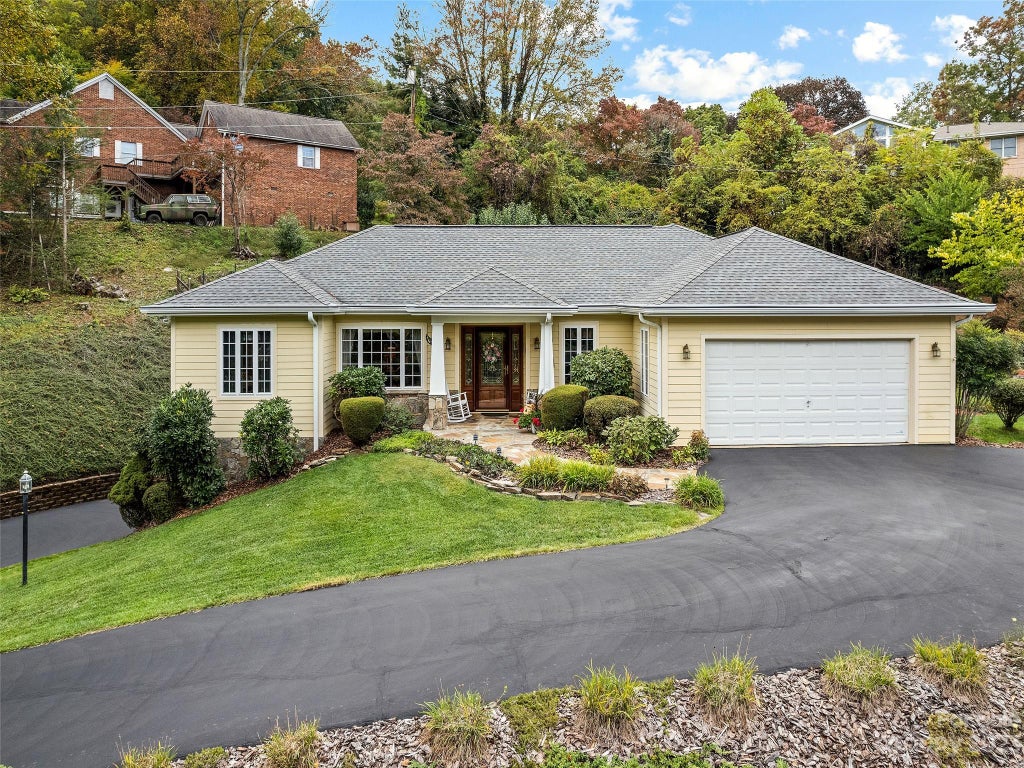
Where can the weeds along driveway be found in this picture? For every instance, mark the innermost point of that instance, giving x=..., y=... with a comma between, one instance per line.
x=817, y=548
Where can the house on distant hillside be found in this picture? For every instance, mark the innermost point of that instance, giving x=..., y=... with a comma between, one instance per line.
x=881, y=129
x=312, y=168
x=1005, y=139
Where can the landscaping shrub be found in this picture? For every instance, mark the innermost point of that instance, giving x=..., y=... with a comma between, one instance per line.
x=398, y=418
x=182, y=447
x=984, y=358
x=207, y=758
x=360, y=417
x=458, y=725
x=583, y=476
x=470, y=456
x=637, y=439
x=562, y=407
x=599, y=455
x=128, y=490
x=289, y=237
x=629, y=485
x=600, y=411
x=356, y=382
x=270, y=439
x=292, y=747
x=863, y=673
x=610, y=701
x=539, y=472
x=951, y=740
x=563, y=438
x=16, y=294
x=160, y=503
x=699, y=447
x=411, y=439
x=155, y=757
x=532, y=716
x=699, y=492
x=1008, y=401
x=725, y=687
x=958, y=668
x=604, y=371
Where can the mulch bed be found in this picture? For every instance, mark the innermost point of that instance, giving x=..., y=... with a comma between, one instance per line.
x=973, y=441
x=796, y=721
x=662, y=459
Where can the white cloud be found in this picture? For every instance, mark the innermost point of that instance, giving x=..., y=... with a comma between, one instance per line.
x=791, y=37
x=952, y=27
x=933, y=60
x=681, y=15
x=878, y=42
x=615, y=26
x=882, y=98
x=695, y=77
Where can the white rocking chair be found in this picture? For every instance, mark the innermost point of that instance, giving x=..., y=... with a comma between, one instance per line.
x=458, y=407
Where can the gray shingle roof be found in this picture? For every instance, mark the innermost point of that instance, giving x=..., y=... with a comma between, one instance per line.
x=266, y=123
x=970, y=130
x=565, y=268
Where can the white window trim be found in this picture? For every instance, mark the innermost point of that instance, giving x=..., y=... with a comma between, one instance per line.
x=92, y=143
x=220, y=363
x=561, y=344
x=1002, y=147
x=645, y=361
x=424, y=357
x=316, y=157
x=119, y=155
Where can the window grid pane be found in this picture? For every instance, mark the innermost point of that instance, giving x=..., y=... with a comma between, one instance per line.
x=413, y=358
x=571, y=348
x=228, y=362
x=245, y=362
x=349, y=348
x=263, y=383
x=382, y=348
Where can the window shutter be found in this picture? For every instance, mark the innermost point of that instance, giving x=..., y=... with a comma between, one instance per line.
x=118, y=156
x=298, y=155
x=316, y=157
x=138, y=150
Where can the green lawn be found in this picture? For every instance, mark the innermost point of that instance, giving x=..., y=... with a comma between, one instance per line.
x=988, y=427
x=359, y=517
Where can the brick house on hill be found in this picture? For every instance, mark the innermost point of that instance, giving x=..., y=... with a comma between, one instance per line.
x=312, y=168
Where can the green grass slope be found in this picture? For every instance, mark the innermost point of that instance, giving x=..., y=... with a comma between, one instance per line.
x=359, y=517
x=75, y=384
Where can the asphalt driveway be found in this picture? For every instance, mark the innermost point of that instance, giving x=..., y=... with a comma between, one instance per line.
x=817, y=548
x=61, y=529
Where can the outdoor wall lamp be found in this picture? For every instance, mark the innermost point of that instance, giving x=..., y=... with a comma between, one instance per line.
x=536, y=343
x=25, y=486
x=686, y=351
x=447, y=344
x=430, y=341
x=936, y=352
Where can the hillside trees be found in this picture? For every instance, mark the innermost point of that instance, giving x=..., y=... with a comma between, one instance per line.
x=834, y=98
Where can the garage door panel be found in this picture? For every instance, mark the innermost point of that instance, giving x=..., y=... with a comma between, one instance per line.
x=792, y=392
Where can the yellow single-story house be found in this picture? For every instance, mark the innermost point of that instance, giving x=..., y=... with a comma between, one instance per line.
x=754, y=338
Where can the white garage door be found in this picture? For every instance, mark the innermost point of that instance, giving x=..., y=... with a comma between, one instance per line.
x=811, y=392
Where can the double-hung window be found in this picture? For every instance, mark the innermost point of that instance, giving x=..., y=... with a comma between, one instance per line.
x=576, y=339
x=246, y=361
x=308, y=157
x=87, y=147
x=1005, y=147
x=127, y=152
x=645, y=346
x=398, y=352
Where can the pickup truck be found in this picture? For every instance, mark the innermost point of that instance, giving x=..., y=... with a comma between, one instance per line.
x=199, y=209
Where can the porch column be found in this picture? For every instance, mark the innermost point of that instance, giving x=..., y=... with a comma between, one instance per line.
x=438, y=393
x=546, y=377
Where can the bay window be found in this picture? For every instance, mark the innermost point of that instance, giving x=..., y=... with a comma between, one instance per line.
x=397, y=352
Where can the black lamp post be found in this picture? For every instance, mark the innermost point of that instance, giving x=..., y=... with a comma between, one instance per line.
x=26, y=489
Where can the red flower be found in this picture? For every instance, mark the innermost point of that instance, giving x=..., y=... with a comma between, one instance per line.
x=536, y=422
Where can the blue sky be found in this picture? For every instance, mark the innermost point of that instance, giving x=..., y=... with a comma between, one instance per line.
x=721, y=50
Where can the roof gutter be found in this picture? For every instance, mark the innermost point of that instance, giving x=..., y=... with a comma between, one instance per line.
x=645, y=321
x=819, y=310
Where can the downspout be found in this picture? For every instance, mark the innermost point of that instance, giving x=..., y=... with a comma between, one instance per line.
x=661, y=384
x=316, y=380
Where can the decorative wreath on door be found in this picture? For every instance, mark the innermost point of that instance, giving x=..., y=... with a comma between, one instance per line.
x=491, y=352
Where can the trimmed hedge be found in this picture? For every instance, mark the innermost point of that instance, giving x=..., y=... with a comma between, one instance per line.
x=1008, y=401
x=604, y=371
x=562, y=407
x=600, y=411
x=160, y=502
x=128, y=491
x=360, y=417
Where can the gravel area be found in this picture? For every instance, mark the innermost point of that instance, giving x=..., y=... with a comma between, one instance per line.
x=797, y=721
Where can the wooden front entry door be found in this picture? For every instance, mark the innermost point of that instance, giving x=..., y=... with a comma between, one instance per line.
x=492, y=367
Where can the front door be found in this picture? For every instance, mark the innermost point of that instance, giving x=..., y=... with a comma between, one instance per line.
x=492, y=371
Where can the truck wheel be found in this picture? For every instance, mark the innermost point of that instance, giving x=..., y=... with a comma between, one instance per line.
x=200, y=219
x=153, y=218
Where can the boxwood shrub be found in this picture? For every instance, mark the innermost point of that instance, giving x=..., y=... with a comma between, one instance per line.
x=360, y=417
x=127, y=492
x=160, y=502
x=270, y=439
x=562, y=407
x=1008, y=401
x=604, y=371
x=600, y=411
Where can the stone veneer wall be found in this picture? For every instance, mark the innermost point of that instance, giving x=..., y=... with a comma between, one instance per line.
x=60, y=494
x=235, y=463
